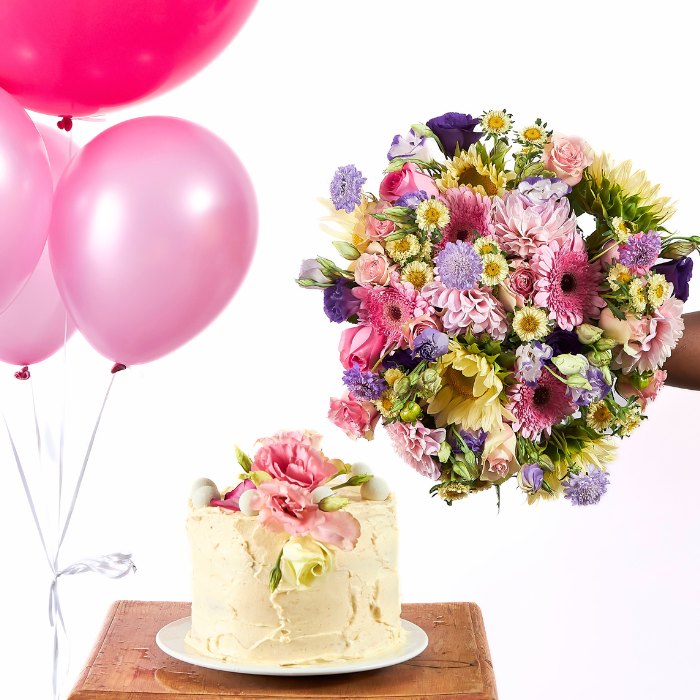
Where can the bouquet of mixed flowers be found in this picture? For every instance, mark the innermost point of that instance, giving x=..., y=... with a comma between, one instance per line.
x=509, y=312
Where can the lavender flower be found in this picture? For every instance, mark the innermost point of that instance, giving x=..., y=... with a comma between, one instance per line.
x=411, y=199
x=586, y=489
x=542, y=189
x=530, y=360
x=678, y=273
x=413, y=146
x=530, y=478
x=339, y=302
x=459, y=265
x=367, y=386
x=455, y=129
x=346, y=187
x=641, y=251
x=598, y=391
x=430, y=344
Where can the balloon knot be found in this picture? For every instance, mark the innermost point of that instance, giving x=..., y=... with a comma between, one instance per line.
x=23, y=373
x=118, y=367
x=65, y=123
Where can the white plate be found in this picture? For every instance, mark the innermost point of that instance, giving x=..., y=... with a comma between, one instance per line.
x=171, y=639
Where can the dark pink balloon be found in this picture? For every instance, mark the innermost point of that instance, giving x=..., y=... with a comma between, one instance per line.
x=153, y=230
x=79, y=57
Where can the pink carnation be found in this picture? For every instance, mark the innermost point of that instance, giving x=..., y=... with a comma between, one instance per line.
x=417, y=445
x=357, y=419
x=470, y=212
x=293, y=457
x=476, y=309
x=521, y=226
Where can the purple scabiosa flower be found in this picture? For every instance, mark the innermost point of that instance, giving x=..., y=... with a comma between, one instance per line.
x=564, y=342
x=411, y=146
x=411, y=199
x=530, y=360
x=455, y=129
x=542, y=189
x=598, y=391
x=430, y=344
x=339, y=302
x=640, y=252
x=530, y=478
x=678, y=273
x=401, y=359
x=366, y=386
x=346, y=187
x=586, y=489
x=459, y=265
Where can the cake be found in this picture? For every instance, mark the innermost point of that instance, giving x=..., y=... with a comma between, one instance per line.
x=287, y=570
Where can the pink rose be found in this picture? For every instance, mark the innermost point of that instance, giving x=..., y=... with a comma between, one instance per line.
x=373, y=267
x=292, y=457
x=356, y=418
x=376, y=229
x=647, y=393
x=499, y=455
x=360, y=345
x=567, y=157
x=519, y=289
x=408, y=179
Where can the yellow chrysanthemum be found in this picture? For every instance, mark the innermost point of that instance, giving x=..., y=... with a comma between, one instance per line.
x=599, y=417
x=453, y=491
x=495, y=269
x=432, y=215
x=622, y=229
x=631, y=183
x=530, y=323
x=534, y=134
x=618, y=275
x=418, y=273
x=632, y=421
x=386, y=403
x=348, y=227
x=403, y=249
x=638, y=296
x=496, y=122
x=485, y=246
x=468, y=168
x=658, y=290
x=470, y=392
x=392, y=375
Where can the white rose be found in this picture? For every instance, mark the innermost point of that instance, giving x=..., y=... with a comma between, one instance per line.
x=303, y=561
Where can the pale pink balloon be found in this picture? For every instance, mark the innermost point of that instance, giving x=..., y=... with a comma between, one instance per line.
x=25, y=198
x=78, y=57
x=154, y=228
x=59, y=147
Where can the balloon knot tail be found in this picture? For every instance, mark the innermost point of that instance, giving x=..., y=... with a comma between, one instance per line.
x=23, y=373
x=65, y=123
x=118, y=367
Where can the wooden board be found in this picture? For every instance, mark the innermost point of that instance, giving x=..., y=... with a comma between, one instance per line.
x=126, y=664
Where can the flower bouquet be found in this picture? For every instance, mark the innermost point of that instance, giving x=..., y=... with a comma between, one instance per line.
x=511, y=299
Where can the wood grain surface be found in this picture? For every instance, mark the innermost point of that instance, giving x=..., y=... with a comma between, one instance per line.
x=126, y=664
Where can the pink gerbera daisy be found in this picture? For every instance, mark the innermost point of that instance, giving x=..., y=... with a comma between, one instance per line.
x=537, y=408
x=470, y=212
x=567, y=283
x=416, y=445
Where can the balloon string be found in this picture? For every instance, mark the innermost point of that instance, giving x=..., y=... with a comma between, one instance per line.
x=36, y=420
x=61, y=440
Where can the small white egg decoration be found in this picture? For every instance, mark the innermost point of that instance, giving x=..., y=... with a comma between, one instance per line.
x=321, y=492
x=360, y=468
x=248, y=501
x=201, y=482
x=203, y=495
x=375, y=489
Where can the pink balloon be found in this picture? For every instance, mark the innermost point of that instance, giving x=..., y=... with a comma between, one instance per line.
x=154, y=228
x=59, y=148
x=78, y=57
x=25, y=198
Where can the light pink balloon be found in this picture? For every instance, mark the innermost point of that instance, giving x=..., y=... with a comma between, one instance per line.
x=25, y=198
x=154, y=228
x=78, y=57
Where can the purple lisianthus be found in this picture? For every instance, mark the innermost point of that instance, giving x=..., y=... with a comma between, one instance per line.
x=678, y=273
x=411, y=199
x=530, y=360
x=640, y=252
x=531, y=477
x=366, y=386
x=339, y=302
x=430, y=344
x=474, y=440
x=598, y=391
x=459, y=265
x=564, y=342
x=401, y=359
x=412, y=146
x=455, y=129
x=586, y=489
x=346, y=187
x=313, y=274
x=542, y=189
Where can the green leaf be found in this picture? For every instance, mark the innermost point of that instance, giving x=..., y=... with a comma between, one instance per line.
x=347, y=250
x=355, y=480
x=276, y=573
x=243, y=459
x=423, y=130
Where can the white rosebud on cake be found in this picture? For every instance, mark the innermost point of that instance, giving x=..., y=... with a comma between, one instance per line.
x=303, y=560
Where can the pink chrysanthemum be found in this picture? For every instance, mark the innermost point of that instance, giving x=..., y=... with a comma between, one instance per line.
x=476, y=309
x=567, y=283
x=392, y=310
x=469, y=212
x=521, y=227
x=416, y=445
x=537, y=408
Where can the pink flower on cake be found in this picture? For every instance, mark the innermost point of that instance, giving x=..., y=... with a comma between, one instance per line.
x=567, y=283
x=357, y=419
x=499, y=455
x=308, y=437
x=232, y=498
x=470, y=212
x=417, y=444
x=645, y=394
x=537, y=408
x=372, y=267
x=340, y=529
x=567, y=157
x=294, y=459
x=360, y=345
x=376, y=230
x=521, y=227
x=476, y=309
x=408, y=179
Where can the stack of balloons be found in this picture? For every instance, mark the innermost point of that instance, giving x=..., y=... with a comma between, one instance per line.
x=140, y=239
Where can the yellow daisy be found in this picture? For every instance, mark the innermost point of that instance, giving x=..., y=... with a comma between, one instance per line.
x=530, y=323
x=403, y=249
x=453, y=491
x=431, y=215
x=618, y=275
x=599, y=417
x=386, y=403
x=469, y=168
x=658, y=290
x=534, y=134
x=638, y=297
x=495, y=269
x=496, y=122
x=622, y=229
x=418, y=273
x=631, y=423
x=484, y=246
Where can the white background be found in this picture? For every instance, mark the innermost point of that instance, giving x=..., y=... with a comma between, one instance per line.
x=578, y=603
